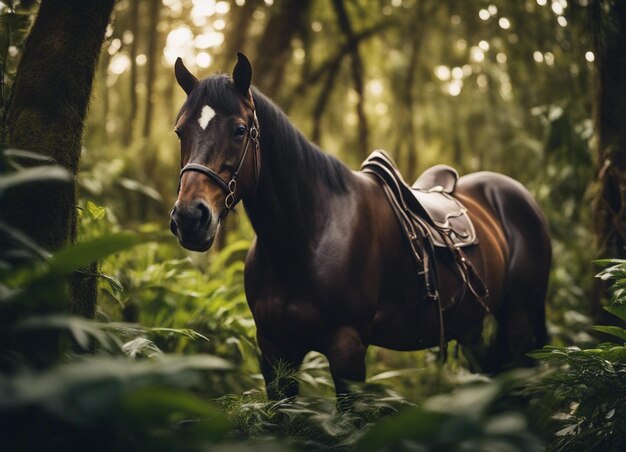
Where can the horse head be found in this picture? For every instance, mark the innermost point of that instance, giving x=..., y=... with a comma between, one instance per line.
x=219, y=149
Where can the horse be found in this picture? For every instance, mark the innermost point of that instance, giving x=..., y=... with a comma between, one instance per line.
x=329, y=269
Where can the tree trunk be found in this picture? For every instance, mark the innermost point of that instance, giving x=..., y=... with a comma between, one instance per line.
x=274, y=47
x=417, y=29
x=357, y=74
x=610, y=113
x=47, y=115
x=132, y=84
x=609, y=22
x=155, y=9
x=235, y=34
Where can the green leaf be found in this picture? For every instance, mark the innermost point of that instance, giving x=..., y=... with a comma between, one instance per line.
x=19, y=154
x=148, y=408
x=95, y=211
x=82, y=254
x=133, y=185
x=541, y=353
x=612, y=330
x=393, y=374
x=609, y=261
x=618, y=310
x=15, y=241
x=34, y=176
x=141, y=346
x=82, y=330
x=412, y=424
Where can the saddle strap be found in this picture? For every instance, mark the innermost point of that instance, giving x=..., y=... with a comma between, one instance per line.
x=422, y=249
x=470, y=277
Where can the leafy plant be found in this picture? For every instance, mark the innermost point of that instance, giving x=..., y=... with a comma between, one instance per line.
x=68, y=382
x=589, y=384
x=477, y=417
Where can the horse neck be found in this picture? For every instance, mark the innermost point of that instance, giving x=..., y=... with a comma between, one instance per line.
x=296, y=181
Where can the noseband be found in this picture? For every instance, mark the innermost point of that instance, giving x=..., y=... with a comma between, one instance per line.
x=230, y=187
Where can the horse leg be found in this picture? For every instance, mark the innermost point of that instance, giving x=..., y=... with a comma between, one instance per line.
x=279, y=367
x=521, y=321
x=346, y=358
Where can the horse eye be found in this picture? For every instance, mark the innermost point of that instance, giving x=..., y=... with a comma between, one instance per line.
x=240, y=131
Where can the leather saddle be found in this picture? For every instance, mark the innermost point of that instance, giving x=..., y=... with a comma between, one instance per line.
x=429, y=201
x=432, y=218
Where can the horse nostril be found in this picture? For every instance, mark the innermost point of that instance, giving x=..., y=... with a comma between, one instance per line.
x=205, y=214
x=190, y=218
x=173, y=225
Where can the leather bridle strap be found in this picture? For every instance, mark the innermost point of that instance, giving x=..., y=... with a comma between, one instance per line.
x=230, y=187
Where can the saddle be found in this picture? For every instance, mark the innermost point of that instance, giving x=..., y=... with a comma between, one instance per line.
x=429, y=201
x=431, y=218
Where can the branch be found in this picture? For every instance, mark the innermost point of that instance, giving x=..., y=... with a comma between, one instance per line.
x=357, y=71
x=315, y=75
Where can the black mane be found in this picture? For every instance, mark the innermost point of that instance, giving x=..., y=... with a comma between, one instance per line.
x=297, y=155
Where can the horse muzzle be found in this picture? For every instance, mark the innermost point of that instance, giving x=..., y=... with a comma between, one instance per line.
x=193, y=224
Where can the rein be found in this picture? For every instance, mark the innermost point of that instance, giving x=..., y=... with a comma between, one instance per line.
x=230, y=187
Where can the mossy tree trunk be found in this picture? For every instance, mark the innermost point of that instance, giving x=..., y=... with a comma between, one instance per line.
x=47, y=115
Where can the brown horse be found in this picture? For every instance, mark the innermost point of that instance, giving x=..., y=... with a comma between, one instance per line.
x=330, y=270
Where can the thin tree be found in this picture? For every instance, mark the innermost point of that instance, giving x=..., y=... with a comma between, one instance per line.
x=153, y=39
x=132, y=83
x=273, y=50
x=609, y=25
x=357, y=71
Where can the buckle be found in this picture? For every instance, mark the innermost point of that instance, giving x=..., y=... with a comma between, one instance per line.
x=229, y=201
x=230, y=197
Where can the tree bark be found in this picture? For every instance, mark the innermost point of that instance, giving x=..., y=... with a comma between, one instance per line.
x=132, y=83
x=417, y=29
x=357, y=74
x=235, y=34
x=610, y=114
x=609, y=22
x=47, y=114
x=274, y=47
x=322, y=101
x=155, y=9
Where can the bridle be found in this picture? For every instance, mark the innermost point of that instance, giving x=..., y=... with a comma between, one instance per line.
x=230, y=187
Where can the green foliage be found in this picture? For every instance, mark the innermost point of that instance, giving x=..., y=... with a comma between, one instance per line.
x=589, y=385
x=67, y=382
x=476, y=417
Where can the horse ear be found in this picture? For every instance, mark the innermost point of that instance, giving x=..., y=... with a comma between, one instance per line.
x=185, y=79
x=242, y=74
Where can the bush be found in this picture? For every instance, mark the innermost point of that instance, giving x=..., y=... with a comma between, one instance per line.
x=589, y=385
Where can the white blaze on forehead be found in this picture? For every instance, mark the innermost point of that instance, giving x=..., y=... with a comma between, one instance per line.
x=205, y=116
